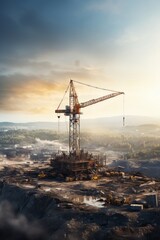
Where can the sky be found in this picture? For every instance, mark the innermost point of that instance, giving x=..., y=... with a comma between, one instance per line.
x=112, y=44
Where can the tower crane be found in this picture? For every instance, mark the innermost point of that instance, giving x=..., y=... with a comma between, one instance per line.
x=74, y=111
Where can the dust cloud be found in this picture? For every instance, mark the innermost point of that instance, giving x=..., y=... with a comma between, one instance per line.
x=16, y=226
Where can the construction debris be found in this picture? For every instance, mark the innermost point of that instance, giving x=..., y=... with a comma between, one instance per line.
x=102, y=207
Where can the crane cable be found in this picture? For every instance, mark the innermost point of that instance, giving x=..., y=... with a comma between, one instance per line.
x=88, y=85
x=63, y=97
x=123, y=110
x=66, y=123
x=58, y=114
x=58, y=127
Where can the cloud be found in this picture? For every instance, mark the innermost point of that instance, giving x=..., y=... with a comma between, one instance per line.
x=127, y=37
x=32, y=28
x=108, y=6
x=36, y=29
x=27, y=34
x=19, y=92
x=36, y=93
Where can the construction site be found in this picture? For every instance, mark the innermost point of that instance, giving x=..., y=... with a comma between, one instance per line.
x=118, y=205
x=76, y=194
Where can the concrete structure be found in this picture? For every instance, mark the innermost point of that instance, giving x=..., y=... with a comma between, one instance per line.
x=136, y=207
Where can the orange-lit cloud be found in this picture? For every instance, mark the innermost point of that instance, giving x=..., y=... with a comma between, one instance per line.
x=36, y=94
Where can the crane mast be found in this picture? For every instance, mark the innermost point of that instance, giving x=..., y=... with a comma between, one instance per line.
x=74, y=121
x=73, y=111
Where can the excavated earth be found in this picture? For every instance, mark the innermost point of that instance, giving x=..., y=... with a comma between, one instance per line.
x=50, y=208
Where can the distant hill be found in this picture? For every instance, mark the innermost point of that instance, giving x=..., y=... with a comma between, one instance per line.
x=29, y=125
x=97, y=124
x=117, y=122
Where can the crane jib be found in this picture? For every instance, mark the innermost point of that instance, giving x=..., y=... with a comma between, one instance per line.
x=100, y=99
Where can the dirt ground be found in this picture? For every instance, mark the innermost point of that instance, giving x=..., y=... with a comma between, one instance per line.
x=95, y=209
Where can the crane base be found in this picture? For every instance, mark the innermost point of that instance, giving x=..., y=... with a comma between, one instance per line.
x=74, y=166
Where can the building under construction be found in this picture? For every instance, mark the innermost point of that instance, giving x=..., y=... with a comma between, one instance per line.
x=79, y=167
x=77, y=163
